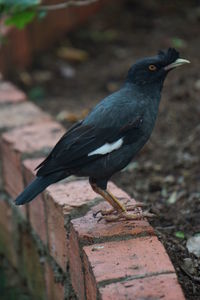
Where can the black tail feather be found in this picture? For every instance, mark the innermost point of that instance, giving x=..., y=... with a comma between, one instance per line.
x=38, y=185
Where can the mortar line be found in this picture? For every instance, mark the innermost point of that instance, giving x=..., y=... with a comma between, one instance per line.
x=103, y=283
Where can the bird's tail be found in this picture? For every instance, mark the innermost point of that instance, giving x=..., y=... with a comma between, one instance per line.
x=36, y=187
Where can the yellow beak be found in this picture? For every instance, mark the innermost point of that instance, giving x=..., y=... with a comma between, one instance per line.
x=177, y=63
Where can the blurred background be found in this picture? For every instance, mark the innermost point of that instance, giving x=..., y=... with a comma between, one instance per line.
x=66, y=70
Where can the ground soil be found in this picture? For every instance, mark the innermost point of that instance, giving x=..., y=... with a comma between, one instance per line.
x=166, y=172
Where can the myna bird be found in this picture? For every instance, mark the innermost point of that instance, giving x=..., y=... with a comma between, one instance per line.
x=110, y=136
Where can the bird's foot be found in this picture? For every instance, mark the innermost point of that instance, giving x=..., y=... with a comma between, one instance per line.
x=104, y=212
x=114, y=211
x=123, y=216
x=136, y=205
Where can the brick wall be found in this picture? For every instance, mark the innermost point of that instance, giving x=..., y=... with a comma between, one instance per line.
x=57, y=247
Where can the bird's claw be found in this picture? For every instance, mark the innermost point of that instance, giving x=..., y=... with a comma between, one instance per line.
x=124, y=216
x=96, y=213
x=112, y=215
x=104, y=212
x=114, y=211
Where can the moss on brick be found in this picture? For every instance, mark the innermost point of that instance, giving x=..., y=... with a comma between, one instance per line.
x=8, y=233
x=11, y=285
x=32, y=267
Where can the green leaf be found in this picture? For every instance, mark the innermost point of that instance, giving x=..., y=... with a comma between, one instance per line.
x=21, y=19
x=19, y=5
x=180, y=234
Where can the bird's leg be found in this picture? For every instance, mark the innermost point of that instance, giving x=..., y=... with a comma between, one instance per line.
x=111, y=199
x=119, y=208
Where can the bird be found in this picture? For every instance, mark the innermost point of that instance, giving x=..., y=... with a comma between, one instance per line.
x=110, y=136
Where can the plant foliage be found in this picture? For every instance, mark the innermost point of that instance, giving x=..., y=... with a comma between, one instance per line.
x=22, y=12
x=18, y=12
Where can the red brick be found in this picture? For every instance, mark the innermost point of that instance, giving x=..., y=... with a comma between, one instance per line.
x=13, y=116
x=64, y=199
x=34, y=137
x=87, y=230
x=116, y=260
x=76, y=267
x=71, y=195
x=10, y=94
x=90, y=230
x=61, y=200
x=12, y=171
x=163, y=287
x=20, y=142
x=57, y=233
x=55, y=290
x=37, y=211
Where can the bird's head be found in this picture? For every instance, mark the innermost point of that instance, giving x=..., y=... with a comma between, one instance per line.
x=154, y=69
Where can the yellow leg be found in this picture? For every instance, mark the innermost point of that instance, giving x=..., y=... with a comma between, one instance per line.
x=119, y=208
x=110, y=198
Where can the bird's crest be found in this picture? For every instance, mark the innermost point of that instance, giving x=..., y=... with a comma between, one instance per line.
x=168, y=56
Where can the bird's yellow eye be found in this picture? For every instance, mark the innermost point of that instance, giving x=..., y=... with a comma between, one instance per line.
x=152, y=68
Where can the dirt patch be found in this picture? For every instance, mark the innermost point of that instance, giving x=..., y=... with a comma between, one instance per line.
x=166, y=172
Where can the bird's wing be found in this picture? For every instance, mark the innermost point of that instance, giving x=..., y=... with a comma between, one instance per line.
x=84, y=143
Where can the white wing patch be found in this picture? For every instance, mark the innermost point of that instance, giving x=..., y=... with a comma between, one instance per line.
x=107, y=148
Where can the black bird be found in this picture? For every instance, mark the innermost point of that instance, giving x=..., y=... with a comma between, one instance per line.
x=111, y=135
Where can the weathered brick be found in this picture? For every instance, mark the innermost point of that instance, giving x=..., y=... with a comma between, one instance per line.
x=57, y=233
x=76, y=266
x=37, y=210
x=12, y=171
x=54, y=289
x=165, y=287
x=37, y=137
x=62, y=200
x=90, y=230
x=123, y=259
x=10, y=93
x=87, y=230
x=71, y=195
x=21, y=142
x=13, y=116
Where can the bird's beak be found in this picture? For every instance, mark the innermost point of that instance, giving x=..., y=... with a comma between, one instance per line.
x=176, y=63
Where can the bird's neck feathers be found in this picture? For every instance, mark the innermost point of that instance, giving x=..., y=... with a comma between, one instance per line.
x=145, y=85
x=149, y=91
x=148, y=97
